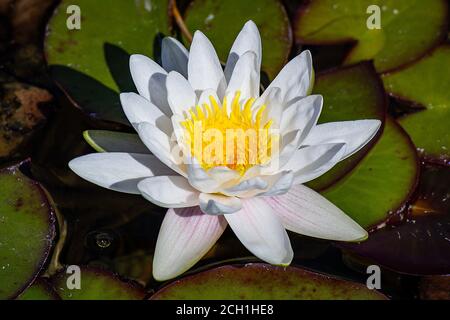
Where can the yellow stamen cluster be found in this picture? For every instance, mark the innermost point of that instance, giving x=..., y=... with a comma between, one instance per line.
x=235, y=137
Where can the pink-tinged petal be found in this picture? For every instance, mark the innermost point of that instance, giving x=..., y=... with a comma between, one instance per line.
x=306, y=212
x=355, y=134
x=186, y=235
x=169, y=191
x=260, y=230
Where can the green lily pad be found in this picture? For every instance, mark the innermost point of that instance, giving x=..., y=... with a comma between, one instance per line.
x=382, y=182
x=96, y=284
x=221, y=21
x=112, y=141
x=39, y=290
x=426, y=83
x=350, y=93
x=264, y=282
x=91, y=64
x=27, y=230
x=408, y=28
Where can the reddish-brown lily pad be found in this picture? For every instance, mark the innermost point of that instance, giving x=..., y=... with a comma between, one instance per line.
x=421, y=245
x=265, y=282
x=39, y=290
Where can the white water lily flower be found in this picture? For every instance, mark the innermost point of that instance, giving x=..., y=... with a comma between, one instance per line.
x=259, y=201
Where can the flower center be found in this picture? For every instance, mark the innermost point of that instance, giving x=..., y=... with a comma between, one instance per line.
x=236, y=137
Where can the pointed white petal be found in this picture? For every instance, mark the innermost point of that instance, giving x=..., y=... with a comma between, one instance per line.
x=118, y=171
x=174, y=56
x=169, y=191
x=180, y=94
x=186, y=235
x=319, y=163
x=217, y=204
x=160, y=145
x=204, y=69
x=304, y=211
x=138, y=109
x=295, y=78
x=302, y=115
x=150, y=81
x=261, y=231
x=245, y=78
x=113, y=141
x=272, y=100
x=355, y=134
x=247, y=40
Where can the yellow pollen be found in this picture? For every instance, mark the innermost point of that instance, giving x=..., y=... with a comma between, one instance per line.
x=236, y=137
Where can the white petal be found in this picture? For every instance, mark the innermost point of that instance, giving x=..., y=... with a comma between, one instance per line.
x=245, y=78
x=279, y=184
x=247, y=40
x=174, y=56
x=295, y=78
x=160, y=145
x=302, y=115
x=199, y=178
x=272, y=100
x=186, y=235
x=150, y=81
x=312, y=156
x=318, y=161
x=261, y=231
x=204, y=69
x=138, y=109
x=118, y=171
x=113, y=141
x=180, y=94
x=217, y=204
x=304, y=211
x=247, y=188
x=169, y=191
x=355, y=134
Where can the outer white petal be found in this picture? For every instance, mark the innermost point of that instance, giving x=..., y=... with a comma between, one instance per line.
x=180, y=94
x=204, y=69
x=118, y=171
x=150, y=81
x=245, y=78
x=138, y=109
x=186, y=235
x=217, y=204
x=260, y=230
x=159, y=144
x=355, y=134
x=302, y=115
x=295, y=78
x=174, y=56
x=304, y=211
x=280, y=184
x=169, y=191
x=322, y=164
x=247, y=40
